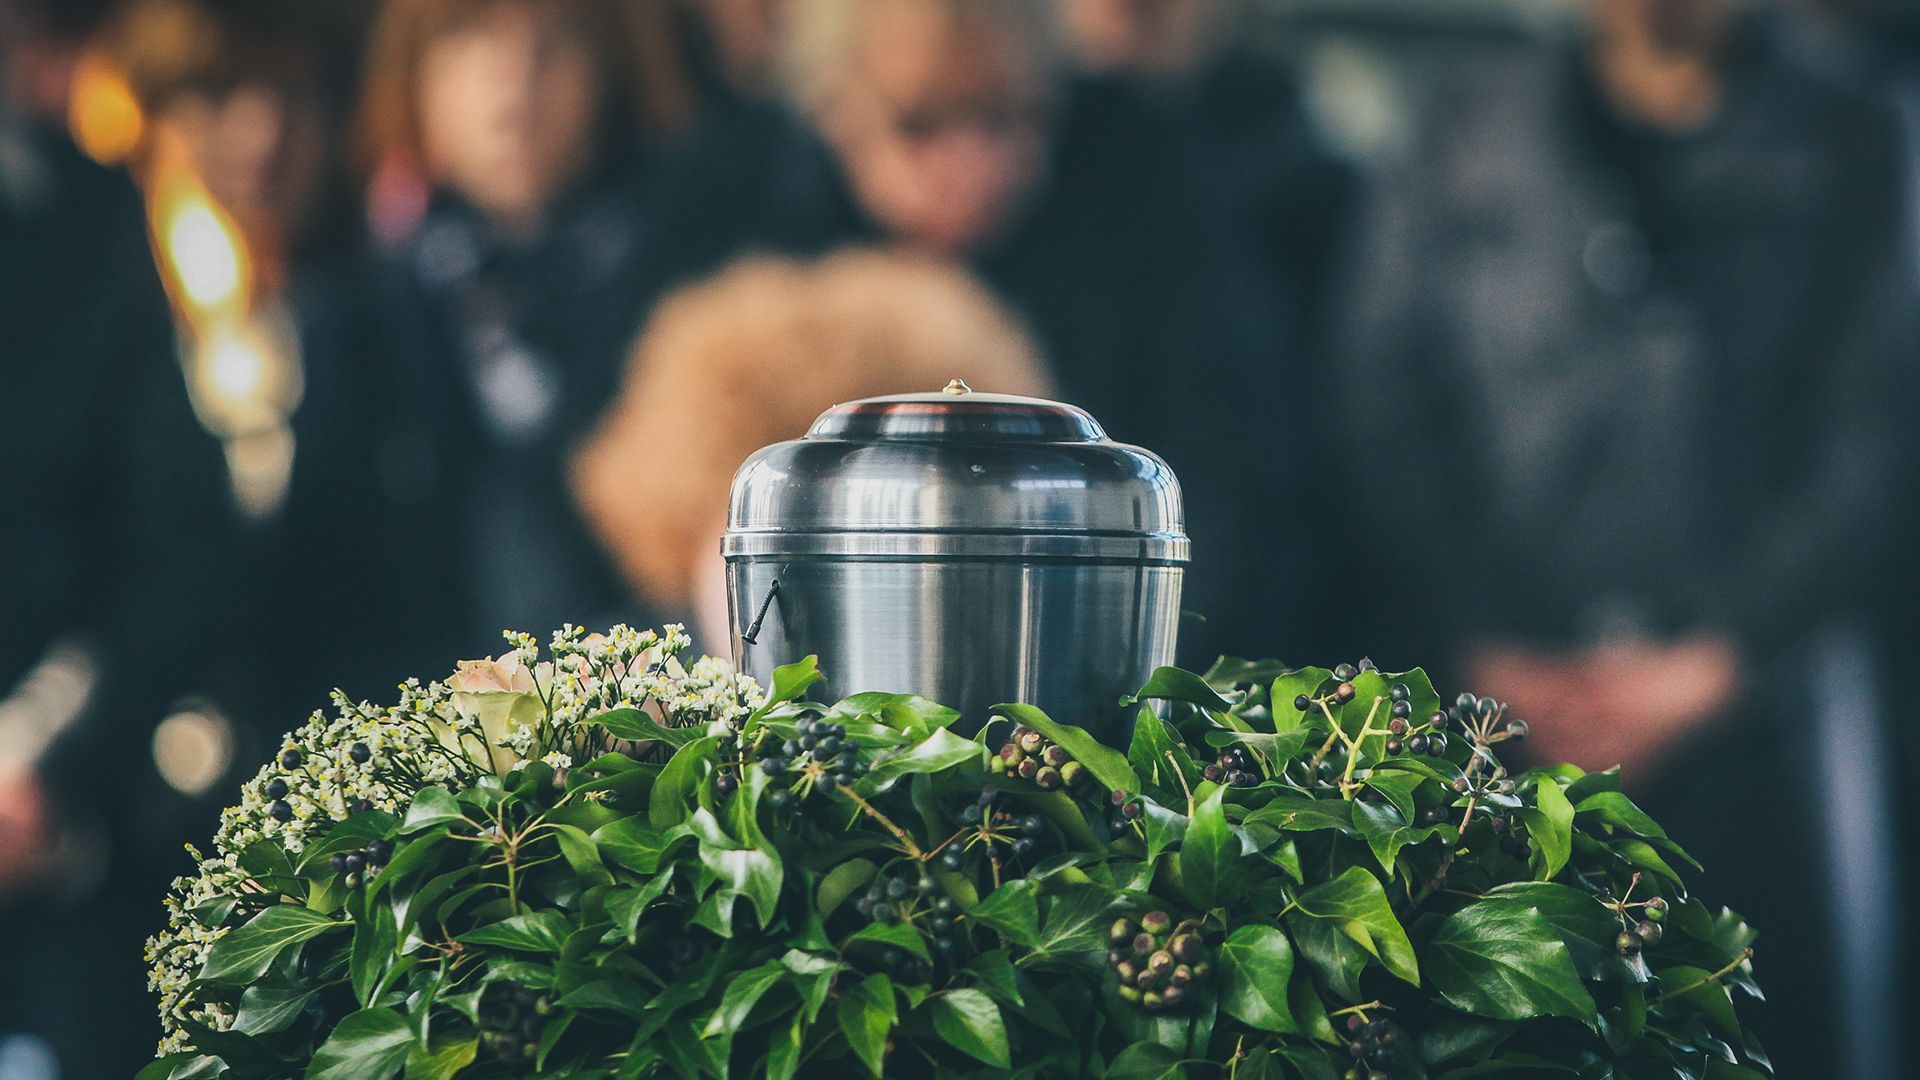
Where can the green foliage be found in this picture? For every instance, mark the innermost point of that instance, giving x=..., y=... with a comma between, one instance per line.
x=706, y=901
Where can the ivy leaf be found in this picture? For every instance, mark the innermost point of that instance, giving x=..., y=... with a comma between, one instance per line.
x=542, y=931
x=1695, y=990
x=1147, y=753
x=843, y=881
x=866, y=1015
x=1550, y=825
x=938, y=752
x=633, y=843
x=1503, y=960
x=754, y=873
x=1076, y=921
x=1586, y=925
x=636, y=726
x=742, y=994
x=1210, y=868
x=994, y=971
x=442, y=1059
x=1256, y=963
x=267, y=1007
x=371, y=1044
x=678, y=782
x=431, y=806
x=792, y=680
x=970, y=1022
x=1618, y=812
x=926, y=715
x=245, y=954
x=1165, y=827
x=1107, y=765
x=1386, y=832
x=1013, y=909
x=1357, y=906
x=582, y=855
x=1146, y=1061
x=1290, y=686
x=1295, y=814
x=374, y=937
x=1175, y=684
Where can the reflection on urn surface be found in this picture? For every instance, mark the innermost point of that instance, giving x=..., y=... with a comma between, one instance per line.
x=972, y=548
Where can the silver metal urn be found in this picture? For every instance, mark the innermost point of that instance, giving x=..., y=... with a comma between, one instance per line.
x=971, y=548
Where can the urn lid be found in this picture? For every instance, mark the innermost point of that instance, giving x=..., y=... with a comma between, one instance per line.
x=957, y=474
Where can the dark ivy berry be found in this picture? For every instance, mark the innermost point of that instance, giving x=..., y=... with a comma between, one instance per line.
x=897, y=889
x=1517, y=730
x=1366, y=664
x=1401, y=710
x=1417, y=744
x=1650, y=932
x=1462, y=785
x=1436, y=743
x=1344, y=672
x=276, y=788
x=379, y=851
x=1397, y=726
x=290, y=759
x=1023, y=847
x=1466, y=703
x=1132, y=810
x=1398, y=693
x=827, y=781
x=1032, y=825
x=355, y=862
x=725, y=784
x=280, y=810
x=360, y=752
x=1439, y=721
x=1303, y=703
x=1211, y=772
x=1394, y=746
x=953, y=859
x=1628, y=943
x=1343, y=693
x=338, y=861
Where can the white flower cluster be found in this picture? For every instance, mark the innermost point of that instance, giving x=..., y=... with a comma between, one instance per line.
x=487, y=718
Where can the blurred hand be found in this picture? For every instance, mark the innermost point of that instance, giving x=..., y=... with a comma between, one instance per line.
x=1627, y=703
x=24, y=838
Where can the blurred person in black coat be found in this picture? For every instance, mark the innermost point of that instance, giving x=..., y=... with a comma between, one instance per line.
x=950, y=127
x=1630, y=365
x=114, y=540
x=1242, y=120
x=429, y=508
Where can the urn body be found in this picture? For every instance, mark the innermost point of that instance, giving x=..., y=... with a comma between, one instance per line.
x=971, y=548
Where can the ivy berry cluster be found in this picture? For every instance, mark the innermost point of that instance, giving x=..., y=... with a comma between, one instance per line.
x=985, y=822
x=819, y=757
x=1156, y=962
x=1032, y=756
x=511, y=1018
x=1372, y=1044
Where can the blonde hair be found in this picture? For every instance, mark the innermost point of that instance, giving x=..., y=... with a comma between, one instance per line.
x=751, y=357
x=822, y=39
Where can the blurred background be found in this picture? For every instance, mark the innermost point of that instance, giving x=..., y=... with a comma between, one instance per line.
x=1567, y=347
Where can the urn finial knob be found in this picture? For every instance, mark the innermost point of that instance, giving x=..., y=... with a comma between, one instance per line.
x=958, y=387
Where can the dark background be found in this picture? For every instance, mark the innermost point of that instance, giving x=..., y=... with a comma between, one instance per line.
x=1565, y=348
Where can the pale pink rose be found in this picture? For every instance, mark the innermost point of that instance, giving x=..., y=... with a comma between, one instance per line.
x=505, y=675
